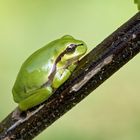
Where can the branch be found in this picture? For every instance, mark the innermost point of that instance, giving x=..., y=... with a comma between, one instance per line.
x=91, y=72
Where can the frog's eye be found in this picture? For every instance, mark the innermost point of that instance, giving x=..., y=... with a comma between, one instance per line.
x=71, y=48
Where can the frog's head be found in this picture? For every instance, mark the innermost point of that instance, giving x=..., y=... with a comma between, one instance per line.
x=74, y=49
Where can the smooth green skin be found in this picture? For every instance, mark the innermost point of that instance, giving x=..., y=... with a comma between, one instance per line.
x=28, y=90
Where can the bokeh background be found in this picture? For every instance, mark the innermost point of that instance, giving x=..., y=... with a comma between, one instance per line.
x=111, y=112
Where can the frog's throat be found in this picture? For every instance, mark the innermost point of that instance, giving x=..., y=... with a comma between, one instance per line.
x=71, y=61
x=53, y=70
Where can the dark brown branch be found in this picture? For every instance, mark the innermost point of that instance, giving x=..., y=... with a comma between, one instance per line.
x=91, y=72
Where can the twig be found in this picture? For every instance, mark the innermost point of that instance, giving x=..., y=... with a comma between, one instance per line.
x=91, y=72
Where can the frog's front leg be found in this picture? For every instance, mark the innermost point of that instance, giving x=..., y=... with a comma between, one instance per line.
x=60, y=77
x=37, y=97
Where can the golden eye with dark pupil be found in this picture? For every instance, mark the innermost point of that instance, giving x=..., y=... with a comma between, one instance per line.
x=71, y=48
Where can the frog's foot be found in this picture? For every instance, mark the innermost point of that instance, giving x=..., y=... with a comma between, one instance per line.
x=38, y=97
x=60, y=77
x=16, y=115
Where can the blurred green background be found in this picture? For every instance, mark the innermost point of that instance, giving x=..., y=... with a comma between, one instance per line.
x=111, y=112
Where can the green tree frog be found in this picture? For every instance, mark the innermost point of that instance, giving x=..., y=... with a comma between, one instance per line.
x=45, y=70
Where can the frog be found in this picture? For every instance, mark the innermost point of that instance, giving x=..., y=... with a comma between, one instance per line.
x=46, y=70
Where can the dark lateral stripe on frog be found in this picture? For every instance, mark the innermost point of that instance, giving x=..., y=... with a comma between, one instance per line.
x=53, y=71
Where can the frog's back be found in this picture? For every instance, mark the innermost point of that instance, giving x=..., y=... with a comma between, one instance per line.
x=34, y=72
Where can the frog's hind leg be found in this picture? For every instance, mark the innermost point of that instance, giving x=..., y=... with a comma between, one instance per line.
x=39, y=96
